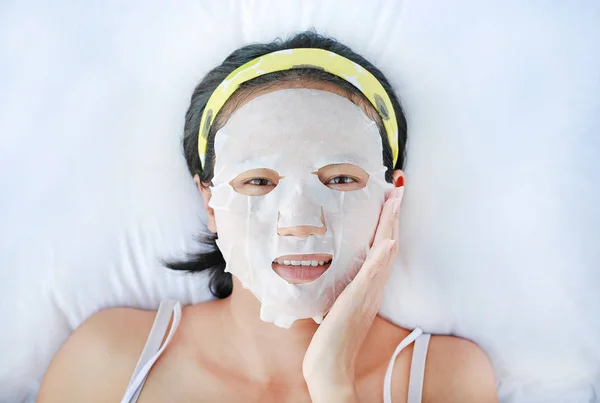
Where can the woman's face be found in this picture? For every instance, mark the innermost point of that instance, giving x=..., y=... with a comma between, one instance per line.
x=296, y=196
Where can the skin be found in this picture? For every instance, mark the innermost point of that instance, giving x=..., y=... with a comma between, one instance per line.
x=223, y=352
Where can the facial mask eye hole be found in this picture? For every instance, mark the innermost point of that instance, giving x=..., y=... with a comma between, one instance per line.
x=343, y=177
x=255, y=182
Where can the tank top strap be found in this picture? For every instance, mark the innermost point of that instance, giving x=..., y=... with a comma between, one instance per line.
x=417, y=367
x=153, y=349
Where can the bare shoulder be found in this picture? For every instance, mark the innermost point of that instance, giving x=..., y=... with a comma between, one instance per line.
x=457, y=370
x=97, y=360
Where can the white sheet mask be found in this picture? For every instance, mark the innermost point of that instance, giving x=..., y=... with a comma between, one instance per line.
x=295, y=132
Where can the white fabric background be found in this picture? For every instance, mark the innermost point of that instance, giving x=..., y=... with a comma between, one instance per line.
x=500, y=227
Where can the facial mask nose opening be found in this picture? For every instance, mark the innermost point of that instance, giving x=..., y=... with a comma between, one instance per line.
x=301, y=226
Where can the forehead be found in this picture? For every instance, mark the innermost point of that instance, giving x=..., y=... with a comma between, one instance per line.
x=299, y=125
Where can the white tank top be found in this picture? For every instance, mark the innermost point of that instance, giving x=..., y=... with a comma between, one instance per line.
x=153, y=350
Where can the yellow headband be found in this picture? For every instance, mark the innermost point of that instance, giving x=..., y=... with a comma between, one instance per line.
x=302, y=58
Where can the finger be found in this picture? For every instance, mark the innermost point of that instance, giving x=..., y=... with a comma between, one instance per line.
x=385, y=226
x=375, y=272
x=387, y=231
x=387, y=204
x=377, y=259
x=356, y=307
x=396, y=214
x=371, y=277
x=361, y=300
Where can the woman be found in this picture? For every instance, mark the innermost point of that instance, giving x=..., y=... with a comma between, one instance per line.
x=297, y=148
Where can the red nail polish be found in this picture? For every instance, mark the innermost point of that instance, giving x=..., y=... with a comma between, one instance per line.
x=400, y=182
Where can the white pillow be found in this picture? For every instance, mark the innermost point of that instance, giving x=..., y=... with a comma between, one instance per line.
x=500, y=225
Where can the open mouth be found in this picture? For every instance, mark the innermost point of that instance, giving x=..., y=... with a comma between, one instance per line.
x=297, y=269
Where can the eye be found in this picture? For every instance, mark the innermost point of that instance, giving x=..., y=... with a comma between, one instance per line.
x=340, y=180
x=259, y=182
x=255, y=182
x=343, y=177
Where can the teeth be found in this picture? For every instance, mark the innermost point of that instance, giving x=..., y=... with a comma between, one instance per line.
x=302, y=262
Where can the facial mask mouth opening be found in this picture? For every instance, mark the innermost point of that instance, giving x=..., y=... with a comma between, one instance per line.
x=299, y=269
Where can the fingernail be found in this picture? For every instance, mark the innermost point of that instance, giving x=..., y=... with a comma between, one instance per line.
x=400, y=182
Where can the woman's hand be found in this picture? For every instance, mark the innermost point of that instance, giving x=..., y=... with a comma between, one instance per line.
x=330, y=360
